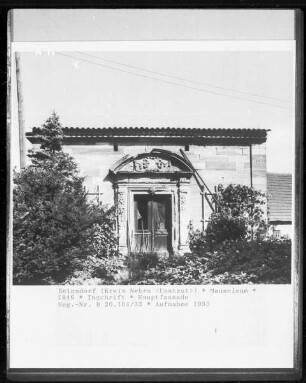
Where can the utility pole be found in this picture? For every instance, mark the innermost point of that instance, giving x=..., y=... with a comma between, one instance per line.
x=9, y=74
x=20, y=113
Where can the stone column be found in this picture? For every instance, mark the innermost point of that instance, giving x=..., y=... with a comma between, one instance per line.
x=121, y=205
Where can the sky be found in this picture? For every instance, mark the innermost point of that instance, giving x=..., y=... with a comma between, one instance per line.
x=193, y=89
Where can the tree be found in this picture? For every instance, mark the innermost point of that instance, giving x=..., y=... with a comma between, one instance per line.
x=54, y=226
x=239, y=215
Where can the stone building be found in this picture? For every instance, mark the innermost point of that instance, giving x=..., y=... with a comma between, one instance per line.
x=161, y=179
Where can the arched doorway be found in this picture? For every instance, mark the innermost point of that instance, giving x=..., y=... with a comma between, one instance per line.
x=151, y=195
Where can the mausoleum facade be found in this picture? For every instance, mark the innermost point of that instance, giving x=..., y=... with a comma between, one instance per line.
x=163, y=179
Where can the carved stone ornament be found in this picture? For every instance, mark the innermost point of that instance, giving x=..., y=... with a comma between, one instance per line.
x=182, y=200
x=120, y=207
x=151, y=164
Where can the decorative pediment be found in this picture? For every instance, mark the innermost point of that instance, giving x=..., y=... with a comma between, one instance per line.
x=157, y=161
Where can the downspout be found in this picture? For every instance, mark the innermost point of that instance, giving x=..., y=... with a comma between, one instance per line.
x=251, y=166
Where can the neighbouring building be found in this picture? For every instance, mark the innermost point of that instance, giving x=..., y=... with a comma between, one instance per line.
x=161, y=179
x=279, y=189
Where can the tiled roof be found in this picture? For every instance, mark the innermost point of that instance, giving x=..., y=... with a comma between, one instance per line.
x=279, y=188
x=101, y=134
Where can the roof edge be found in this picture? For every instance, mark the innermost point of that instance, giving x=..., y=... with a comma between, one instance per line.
x=117, y=134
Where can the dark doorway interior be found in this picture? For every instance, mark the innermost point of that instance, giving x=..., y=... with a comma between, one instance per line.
x=152, y=231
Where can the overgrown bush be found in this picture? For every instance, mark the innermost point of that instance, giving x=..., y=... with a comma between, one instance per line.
x=55, y=228
x=187, y=269
x=264, y=261
x=197, y=241
x=103, y=242
x=99, y=271
x=239, y=215
x=230, y=262
x=241, y=207
x=138, y=262
x=223, y=226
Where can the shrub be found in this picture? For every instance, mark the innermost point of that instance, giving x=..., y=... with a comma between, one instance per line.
x=262, y=261
x=231, y=262
x=98, y=271
x=239, y=215
x=187, y=269
x=230, y=278
x=103, y=241
x=138, y=262
x=244, y=207
x=55, y=228
x=197, y=241
x=222, y=227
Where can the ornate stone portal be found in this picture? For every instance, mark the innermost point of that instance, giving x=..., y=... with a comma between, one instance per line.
x=151, y=194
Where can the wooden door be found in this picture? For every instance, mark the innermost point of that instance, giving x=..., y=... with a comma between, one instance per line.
x=152, y=223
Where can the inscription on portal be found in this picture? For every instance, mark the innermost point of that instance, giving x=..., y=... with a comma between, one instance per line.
x=151, y=164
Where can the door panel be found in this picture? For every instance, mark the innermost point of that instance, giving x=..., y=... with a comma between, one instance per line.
x=142, y=242
x=159, y=227
x=142, y=237
x=152, y=223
